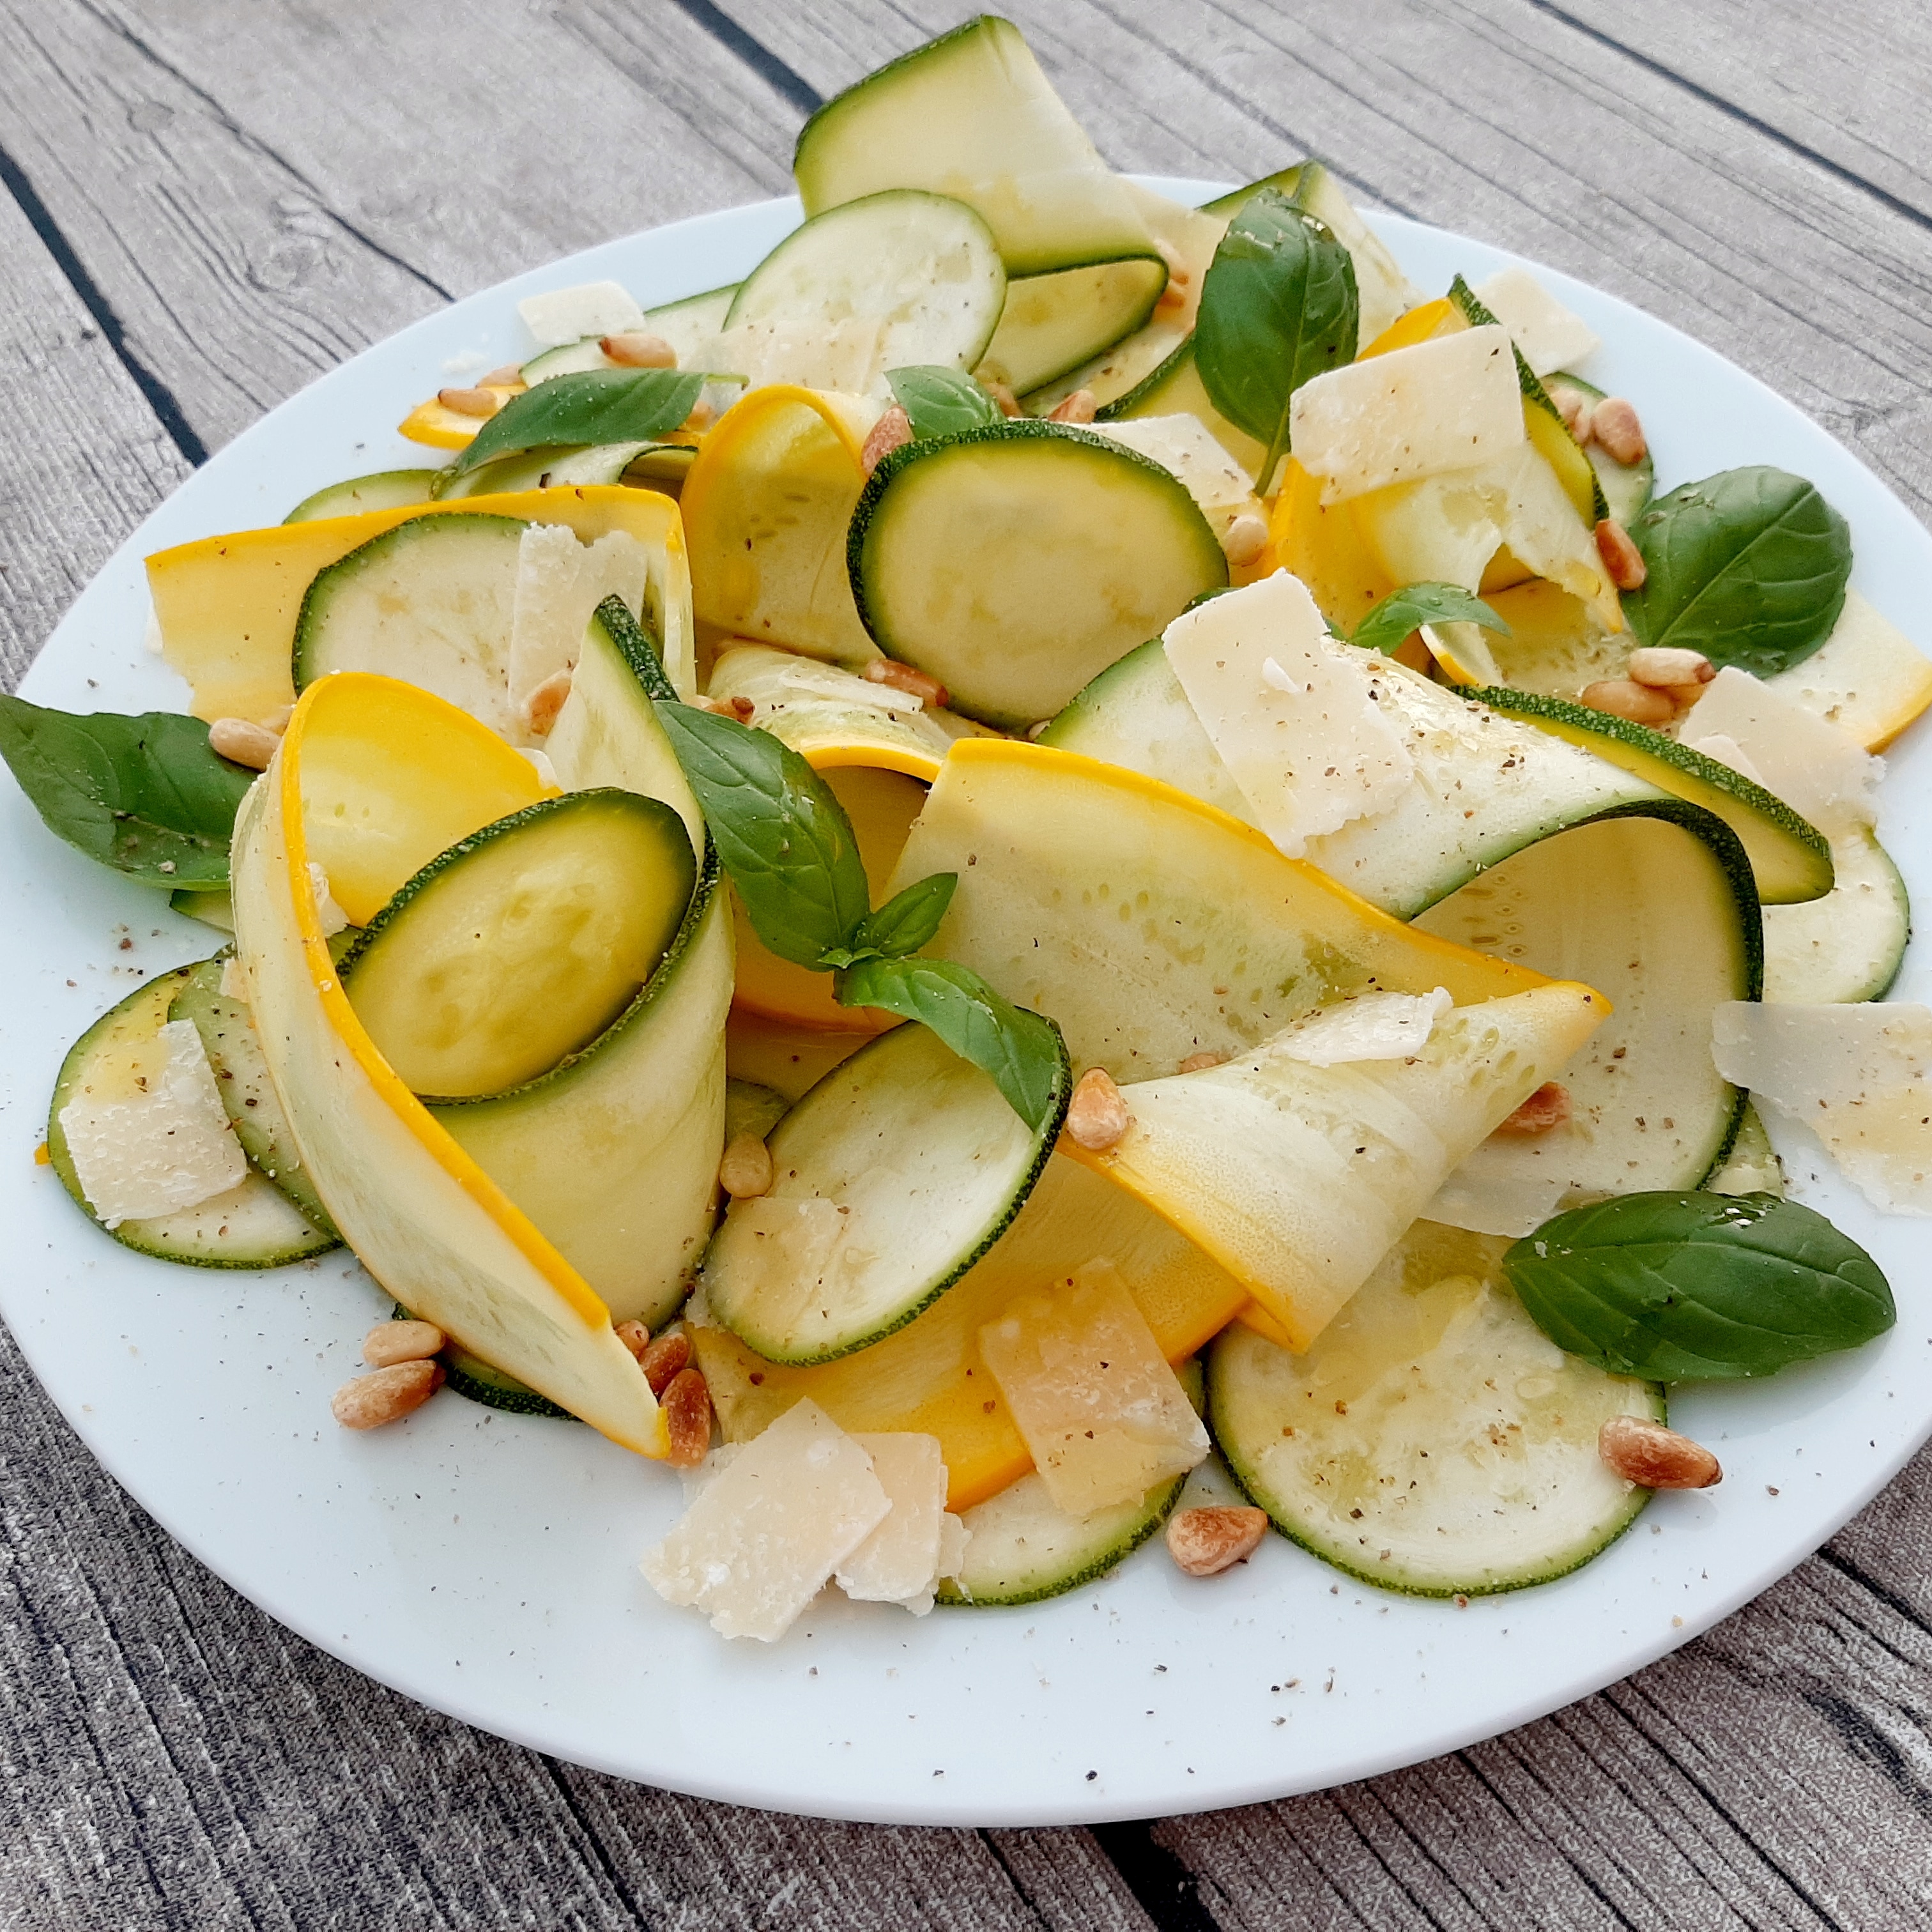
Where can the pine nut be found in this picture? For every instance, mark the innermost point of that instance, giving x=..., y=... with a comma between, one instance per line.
x=740, y=708
x=637, y=350
x=470, y=402
x=665, y=1360
x=510, y=375
x=1097, y=1116
x=905, y=677
x=700, y=415
x=1666, y=667
x=277, y=721
x=893, y=430
x=1621, y=557
x=746, y=1168
x=1079, y=407
x=389, y=1342
x=1655, y=1457
x=1623, y=699
x=242, y=743
x=1573, y=407
x=1548, y=1107
x=542, y=706
x=1614, y=424
x=1009, y=403
x=387, y=1396
x=1199, y=1063
x=1204, y=1542
x=686, y=1403
x=635, y=1335
x=1246, y=538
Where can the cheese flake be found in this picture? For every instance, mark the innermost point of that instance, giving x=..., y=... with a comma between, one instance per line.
x=1448, y=404
x=847, y=356
x=1856, y=1075
x=1822, y=773
x=156, y=1141
x=1185, y=447
x=1550, y=336
x=560, y=582
x=561, y=315
x=763, y=1534
x=1294, y=716
x=1103, y=1415
x=332, y=919
x=1372, y=1026
x=899, y=1562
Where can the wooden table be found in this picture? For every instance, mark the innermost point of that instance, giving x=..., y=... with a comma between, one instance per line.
x=207, y=203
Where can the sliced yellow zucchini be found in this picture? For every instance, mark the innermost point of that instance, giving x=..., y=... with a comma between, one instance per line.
x=435, y=423
x=1867, y=677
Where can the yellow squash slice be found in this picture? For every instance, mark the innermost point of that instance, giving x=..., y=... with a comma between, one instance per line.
x=435, y=424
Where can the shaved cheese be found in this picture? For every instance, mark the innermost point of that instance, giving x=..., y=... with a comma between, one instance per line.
x=1448, y=404
x=846, y=354
x=898, y=1563
x=234, y=978
x=539, y=762
x=1822, y=772
x=1372, y=1026
x=1868, y=678
x=332, y=918
x=1856, y=1075
x=1729, y=752
x=1103, y=1416
x=559, y=316
x=1550, y=336
x=1491, y=1193
x=1293, y=715
x=560, y=582
x=156, y=1140
x=763, y=1535
x=1185, y=447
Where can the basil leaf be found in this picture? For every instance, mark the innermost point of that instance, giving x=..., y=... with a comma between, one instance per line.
x=1401, y=612
x=594, y=406
x=1278, y=305
x=1023, y=1052
x=901, y=925
x=780, y=832
x=938, y=402
x=1698, y=1287
x=145, y=795
x=1749, y=567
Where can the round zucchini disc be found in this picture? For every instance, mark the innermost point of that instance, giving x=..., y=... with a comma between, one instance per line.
x=1433, y=1440
x=1016, y=562
x=521, y=943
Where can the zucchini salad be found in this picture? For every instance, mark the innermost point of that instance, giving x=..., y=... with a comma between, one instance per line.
x=1067, y=866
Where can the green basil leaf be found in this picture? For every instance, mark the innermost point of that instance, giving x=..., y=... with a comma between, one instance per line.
x=594, y=406
x=1749, y=567
x=145, y=795
x=1698, y=1287
x=1402, y=611
x=1278, y=305
x=938, y=402
x=1023, y=1052
x=780, y=833
x=901, y=925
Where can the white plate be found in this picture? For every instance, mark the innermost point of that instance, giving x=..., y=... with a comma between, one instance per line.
x=487, y=1565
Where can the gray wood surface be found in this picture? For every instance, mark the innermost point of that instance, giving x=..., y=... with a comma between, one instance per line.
x=204, y=205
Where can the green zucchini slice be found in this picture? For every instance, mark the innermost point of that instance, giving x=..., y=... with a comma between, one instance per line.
x=1433, y=1440
x=894, y=1174
x=254, y=1225
x=1053, y=323
x=387, y=489
x=1627, y=487
x=1849, y=945
x=1174, y=388
x=750, y=1109
x=517, y=947
x=210, y=905
x=1015, y=562
x=594, y=463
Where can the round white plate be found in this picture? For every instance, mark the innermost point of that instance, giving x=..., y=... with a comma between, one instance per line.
x=487, y=1565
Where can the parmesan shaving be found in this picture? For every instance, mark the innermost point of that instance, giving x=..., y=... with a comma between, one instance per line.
x=1185, y=447
x=1822, y=772
x=332, y=918
x=899, y=1562
x=1549, y=336
x=560, y=582
x=847, y=354
x=1372, y=1026
x=559, y=316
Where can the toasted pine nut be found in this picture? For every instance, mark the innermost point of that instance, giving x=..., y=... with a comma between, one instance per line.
x=1573, y=407
x=1548, y=1107
x=1097, y=1116
x=907, y=678
x=893, y=430
x=1614, y=424
x=1245, y=539
x=510, y=375
x=1079, y=407
x=740, y=708
x=635, y=1335
x=1199, y=1063
x=1204, y=1542
x=470, y=402
x=686, y=1403
x=1621, y=558
x=1665, y=666
x=634, y=350
x=1009, y=403
x=746, y=1168
x=387, y=1396
x=665, y=1359
x=277, y=721
x=1623, y=699
x=243, y=743
x=1655, y=1457
x=389, y=1342
x=700, y=415
x=542, y=706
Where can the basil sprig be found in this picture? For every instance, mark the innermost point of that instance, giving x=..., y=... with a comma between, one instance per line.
x=1403, y=611
x=145, y=795
x=940, y=402
x=784, y=839
x=594, y=406
x=1698, y=1287
x=1278, y=305
x=1749, y=567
